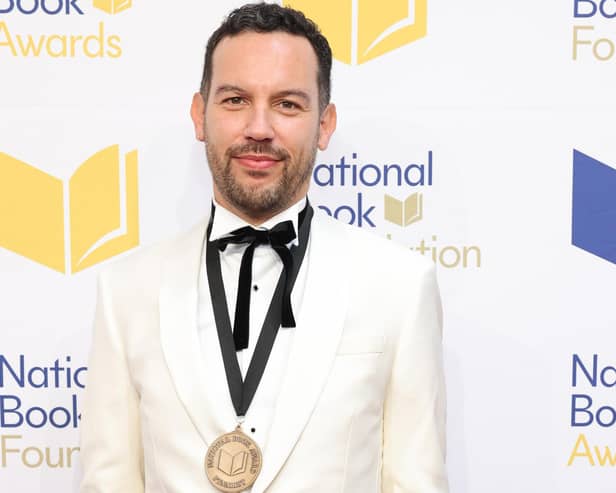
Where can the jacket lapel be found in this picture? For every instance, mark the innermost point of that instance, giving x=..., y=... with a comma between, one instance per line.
x=179, y=297
x=319, y=327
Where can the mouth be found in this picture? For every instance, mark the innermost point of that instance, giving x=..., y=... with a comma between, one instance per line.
x=257, y=161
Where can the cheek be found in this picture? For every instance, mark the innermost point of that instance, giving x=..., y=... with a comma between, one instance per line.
x=298, y=136
x=223, y=127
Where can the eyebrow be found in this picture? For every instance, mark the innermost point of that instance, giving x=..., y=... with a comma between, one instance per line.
x=288, y=92
x=295, y=92
x=228, y=88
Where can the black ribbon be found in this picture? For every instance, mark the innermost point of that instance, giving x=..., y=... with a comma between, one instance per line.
x=243, y=391
x=277, y=237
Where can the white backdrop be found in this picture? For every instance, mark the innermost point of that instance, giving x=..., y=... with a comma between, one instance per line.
x=492, y=93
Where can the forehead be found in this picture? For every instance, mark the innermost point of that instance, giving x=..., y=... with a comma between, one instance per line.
x=276, y=60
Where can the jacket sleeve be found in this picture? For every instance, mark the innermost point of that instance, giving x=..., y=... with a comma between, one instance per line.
x=111, y=447
x=414, y=412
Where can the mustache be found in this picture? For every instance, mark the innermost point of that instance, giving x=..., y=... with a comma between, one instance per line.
x=258, y=148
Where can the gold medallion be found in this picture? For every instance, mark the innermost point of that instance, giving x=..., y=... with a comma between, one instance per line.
x=233, y=462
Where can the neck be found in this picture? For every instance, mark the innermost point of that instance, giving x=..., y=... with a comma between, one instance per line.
x=251, y=217
x=255, y=218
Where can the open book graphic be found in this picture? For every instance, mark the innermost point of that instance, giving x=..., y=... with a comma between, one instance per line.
x=594, y=206
x=360, y=30
x=91, y=218
x=404, y=213
x=232, y=465
x=113, y=6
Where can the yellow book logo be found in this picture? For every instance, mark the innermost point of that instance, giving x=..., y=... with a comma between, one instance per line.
x=360, y=30
x=404, y=213
x=113, y=6
x=78, y=224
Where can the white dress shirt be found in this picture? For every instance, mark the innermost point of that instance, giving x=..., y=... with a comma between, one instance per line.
x=266, y=269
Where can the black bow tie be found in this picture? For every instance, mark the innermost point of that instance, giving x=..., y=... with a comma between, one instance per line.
x=278, y=237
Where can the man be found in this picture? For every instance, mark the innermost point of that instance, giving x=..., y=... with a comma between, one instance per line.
x=269, y=349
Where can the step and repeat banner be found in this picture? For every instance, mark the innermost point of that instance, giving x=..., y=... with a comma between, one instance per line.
x=479, y=134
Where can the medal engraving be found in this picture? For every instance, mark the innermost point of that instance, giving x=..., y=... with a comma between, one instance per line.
x=233, y=462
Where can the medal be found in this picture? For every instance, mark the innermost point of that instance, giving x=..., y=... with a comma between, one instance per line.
x=233, y=462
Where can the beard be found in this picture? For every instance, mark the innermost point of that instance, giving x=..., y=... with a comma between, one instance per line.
x=260, y=200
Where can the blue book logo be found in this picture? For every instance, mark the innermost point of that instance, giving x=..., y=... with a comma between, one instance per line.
x=594, y=207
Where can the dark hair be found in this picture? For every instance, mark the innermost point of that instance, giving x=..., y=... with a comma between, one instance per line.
x=267, y=18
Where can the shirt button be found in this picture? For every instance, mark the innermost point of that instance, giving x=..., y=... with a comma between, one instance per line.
x=255, y=287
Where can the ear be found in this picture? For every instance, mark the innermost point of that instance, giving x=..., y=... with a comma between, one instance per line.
x=327, y=125
x=197, y=113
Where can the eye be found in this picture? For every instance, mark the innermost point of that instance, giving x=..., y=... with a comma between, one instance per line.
x=234, y=100
x=288, y=105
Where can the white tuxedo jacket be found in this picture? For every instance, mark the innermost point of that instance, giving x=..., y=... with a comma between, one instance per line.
x=361, y=406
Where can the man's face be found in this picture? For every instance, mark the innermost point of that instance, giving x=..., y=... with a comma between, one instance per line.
x=261, y=123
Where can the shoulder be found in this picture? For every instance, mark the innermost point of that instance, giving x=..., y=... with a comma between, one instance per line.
x=386, y=286
x=371, y=252
x=142, y=268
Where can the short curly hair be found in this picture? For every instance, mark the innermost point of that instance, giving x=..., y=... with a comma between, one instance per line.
x=266, y=18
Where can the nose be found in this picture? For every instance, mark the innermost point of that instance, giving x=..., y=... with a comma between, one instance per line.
x=259, y=126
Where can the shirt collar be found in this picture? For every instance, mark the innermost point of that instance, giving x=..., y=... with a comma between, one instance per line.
x=226, y=221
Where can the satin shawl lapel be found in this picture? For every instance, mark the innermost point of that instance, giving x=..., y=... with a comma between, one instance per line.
x=180, y=340
x=319, y=327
